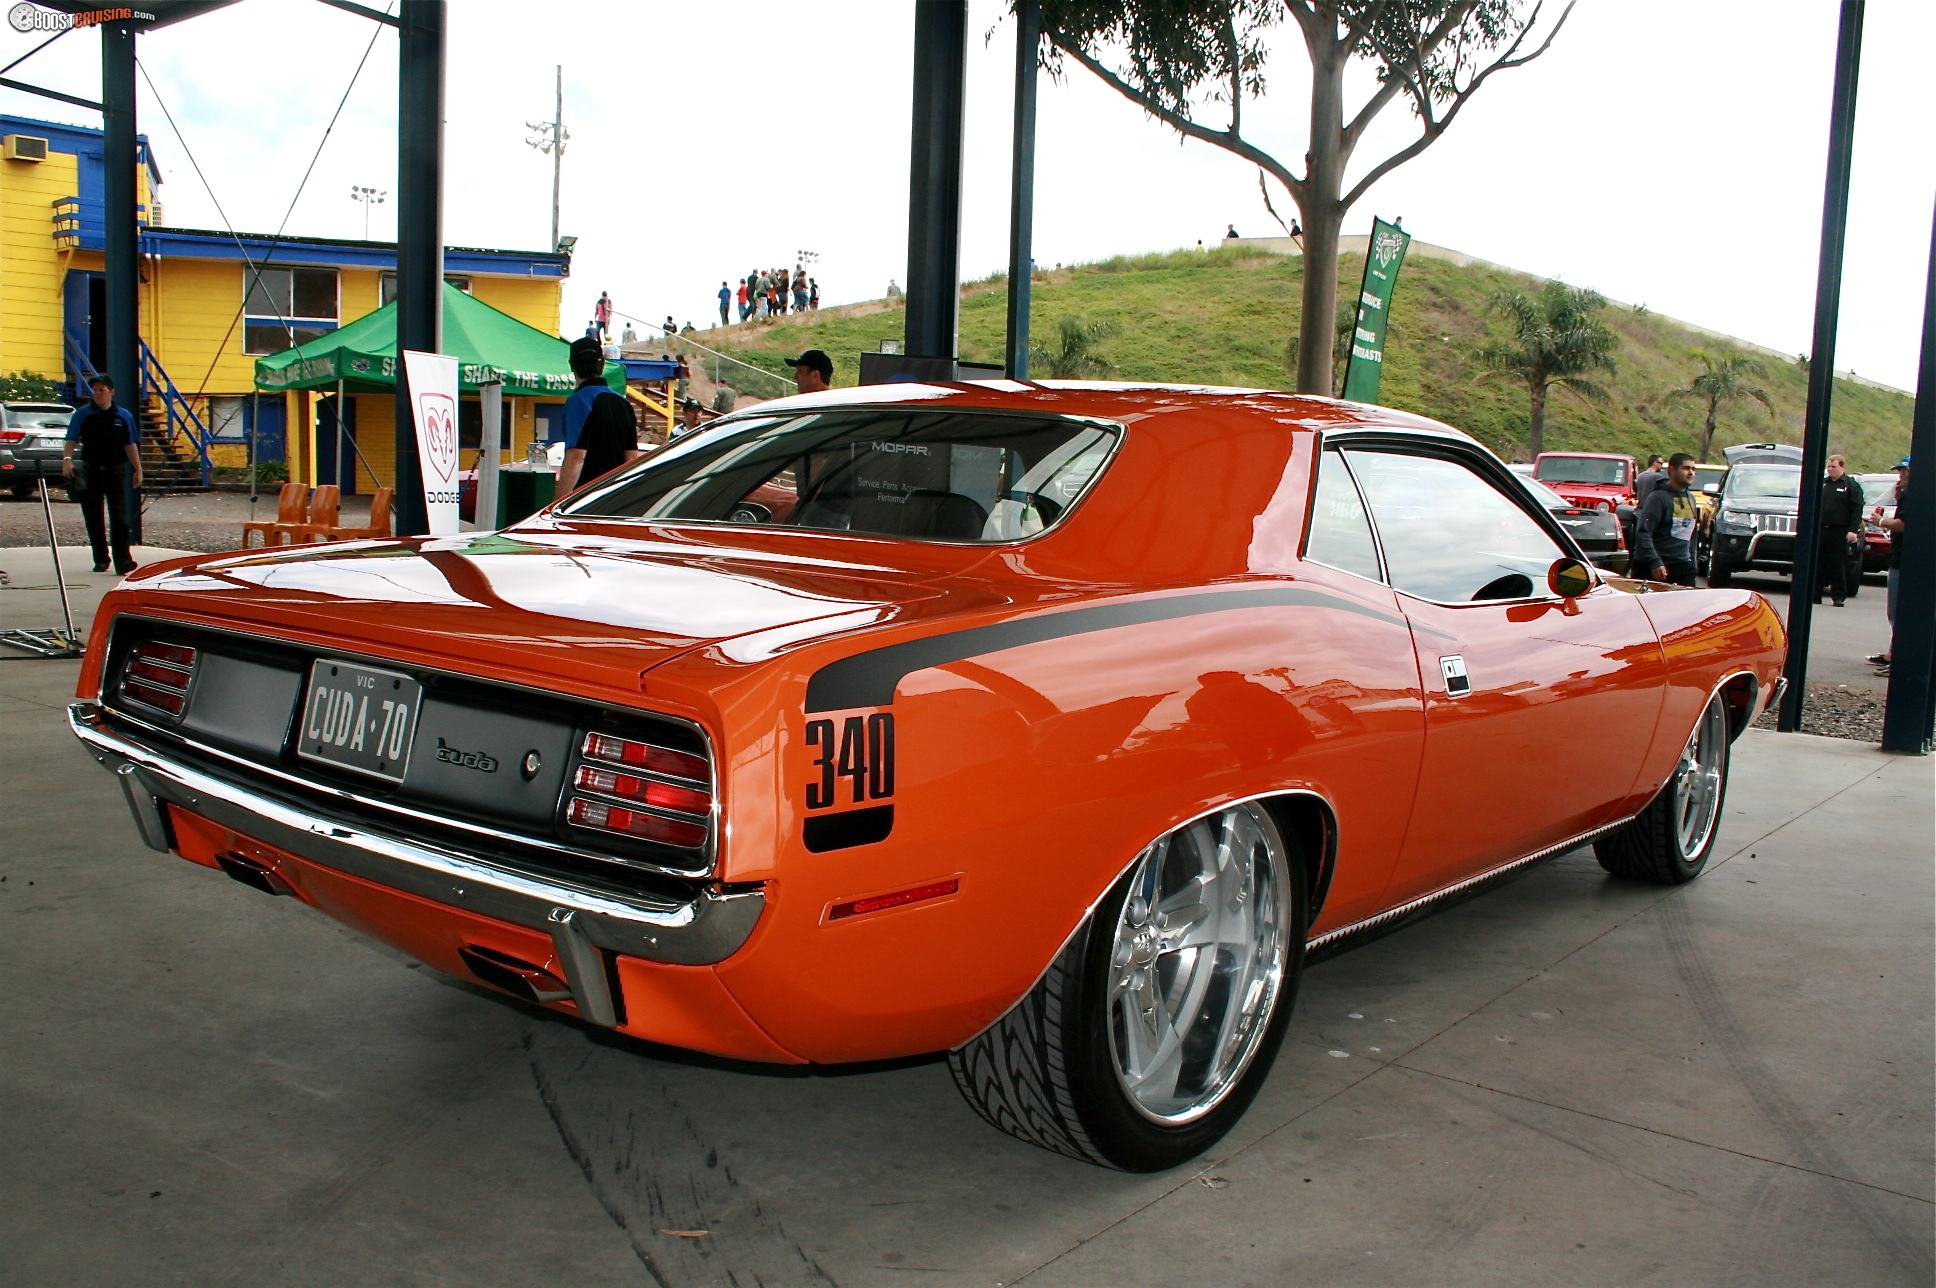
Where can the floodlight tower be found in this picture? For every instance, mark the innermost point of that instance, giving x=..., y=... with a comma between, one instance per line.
x=551, y=137
x=367, y=197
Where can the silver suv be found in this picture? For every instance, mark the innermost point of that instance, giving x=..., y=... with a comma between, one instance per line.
x=31, y=434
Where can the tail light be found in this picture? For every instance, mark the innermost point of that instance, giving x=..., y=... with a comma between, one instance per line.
x=8, y=437
x=643, y=755
x=157, y=675
x=649, y=791
x=625, y=790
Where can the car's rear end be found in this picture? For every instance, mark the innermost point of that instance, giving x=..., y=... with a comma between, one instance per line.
x=1878, y=503
x=31, y=439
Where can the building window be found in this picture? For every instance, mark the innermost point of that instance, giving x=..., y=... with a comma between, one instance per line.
x=286, y=307
x=461, y=281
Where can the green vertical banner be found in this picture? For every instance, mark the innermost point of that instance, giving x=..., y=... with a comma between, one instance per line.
x=1383, y=257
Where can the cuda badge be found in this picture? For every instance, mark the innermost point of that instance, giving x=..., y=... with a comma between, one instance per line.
x=1457, y=684
x=465, y=759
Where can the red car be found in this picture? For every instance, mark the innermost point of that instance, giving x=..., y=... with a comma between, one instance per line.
x=1054, y=726
x=1590, y=480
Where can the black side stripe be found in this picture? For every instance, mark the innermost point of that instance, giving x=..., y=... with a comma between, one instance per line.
x=869, y=679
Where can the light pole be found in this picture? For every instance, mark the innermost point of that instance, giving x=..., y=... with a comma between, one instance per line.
x=551, y=137
x=367, y=197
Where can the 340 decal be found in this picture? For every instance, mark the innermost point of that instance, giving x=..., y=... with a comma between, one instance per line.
x=863, y=754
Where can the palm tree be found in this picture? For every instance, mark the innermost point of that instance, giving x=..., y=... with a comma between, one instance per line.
x=1721, y=383
x=1074, y=354
x=1558, y=338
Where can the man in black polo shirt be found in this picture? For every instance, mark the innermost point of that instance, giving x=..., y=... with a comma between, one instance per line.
x=601, y=433
x=110, y=455
x=1841, y=535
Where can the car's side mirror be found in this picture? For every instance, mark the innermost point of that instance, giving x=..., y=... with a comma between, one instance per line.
x=1569, y=579
x=1711, y=487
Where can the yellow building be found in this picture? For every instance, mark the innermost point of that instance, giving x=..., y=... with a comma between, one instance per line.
x=211, y=304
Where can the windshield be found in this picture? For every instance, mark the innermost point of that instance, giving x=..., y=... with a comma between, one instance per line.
x=1879, y=489
x=1709, y=476
x=1782, y=481
x=1581, y=469
x=50, y=417
x=1547, y=496
x=925, y=475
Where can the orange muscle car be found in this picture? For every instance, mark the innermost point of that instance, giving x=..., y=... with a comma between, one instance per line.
x=1052, y=726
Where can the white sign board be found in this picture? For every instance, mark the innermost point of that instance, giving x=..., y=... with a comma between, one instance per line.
x=433, y=402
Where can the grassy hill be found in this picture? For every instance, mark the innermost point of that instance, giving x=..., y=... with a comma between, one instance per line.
x=1226, y=316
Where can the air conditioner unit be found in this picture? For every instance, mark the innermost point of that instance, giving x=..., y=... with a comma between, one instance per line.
x=23, y=147
x=155, y=218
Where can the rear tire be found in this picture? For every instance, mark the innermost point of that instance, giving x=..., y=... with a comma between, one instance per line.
x=1206, y=933
x=1669, y=842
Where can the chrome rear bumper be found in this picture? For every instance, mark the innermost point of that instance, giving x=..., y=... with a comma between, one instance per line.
x=580, y=920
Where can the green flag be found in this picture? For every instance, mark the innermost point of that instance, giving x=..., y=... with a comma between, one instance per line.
x=1383, y=256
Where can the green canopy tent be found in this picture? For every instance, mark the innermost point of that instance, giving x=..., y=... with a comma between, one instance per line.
x=490, y=347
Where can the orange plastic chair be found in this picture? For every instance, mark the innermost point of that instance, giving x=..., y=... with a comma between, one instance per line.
x=291, y=507
x=324, y=503
x=379, y=525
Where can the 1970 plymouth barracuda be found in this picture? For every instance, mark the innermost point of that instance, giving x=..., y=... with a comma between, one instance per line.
x=1052, y=726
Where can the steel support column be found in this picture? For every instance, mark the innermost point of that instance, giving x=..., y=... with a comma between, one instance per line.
x=119, y=157
x=420, y=229
x=1821, y=366
x=934, y=178
x=1021, y=192
x=1910, y=713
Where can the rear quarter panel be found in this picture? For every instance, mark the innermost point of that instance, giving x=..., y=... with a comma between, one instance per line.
x=1706, y=636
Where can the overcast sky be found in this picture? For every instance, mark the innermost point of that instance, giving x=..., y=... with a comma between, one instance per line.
x=1669, y=154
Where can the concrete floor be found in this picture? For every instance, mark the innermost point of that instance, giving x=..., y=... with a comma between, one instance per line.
x=1569, y=1081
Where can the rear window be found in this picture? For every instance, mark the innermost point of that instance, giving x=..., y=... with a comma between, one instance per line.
x=1580, y=469
x=48, y=417
x=922, y=475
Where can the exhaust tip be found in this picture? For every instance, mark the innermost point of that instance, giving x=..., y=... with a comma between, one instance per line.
x=514, y=975
x=256, y=876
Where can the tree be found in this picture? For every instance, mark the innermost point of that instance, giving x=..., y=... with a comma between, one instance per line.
x=1185, y=55
x=1074, y=354
x=1558, y=338
x=1720, y=383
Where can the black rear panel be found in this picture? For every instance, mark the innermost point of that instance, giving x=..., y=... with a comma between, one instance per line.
x=484, y=753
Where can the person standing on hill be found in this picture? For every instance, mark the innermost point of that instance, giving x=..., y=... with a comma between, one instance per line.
x=1841, y=534
x=799, y=293
x=601, y=433
x=725, y=303
x=1664, y=528
x=813, y=293
x=108, y=472
x=602, y=314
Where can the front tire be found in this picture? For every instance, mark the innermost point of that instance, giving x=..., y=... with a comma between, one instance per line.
x=1154, y=1028
x=1669, y=842
x=1719, y=575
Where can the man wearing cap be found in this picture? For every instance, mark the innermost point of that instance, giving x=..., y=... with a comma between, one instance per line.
x=601, y=433
x=813, y=372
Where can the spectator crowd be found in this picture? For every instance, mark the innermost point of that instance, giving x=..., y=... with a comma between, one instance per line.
x=767, y=293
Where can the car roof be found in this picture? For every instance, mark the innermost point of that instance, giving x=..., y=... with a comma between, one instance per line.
x=36, y=406
x=1128, y=401
x=1598, y=456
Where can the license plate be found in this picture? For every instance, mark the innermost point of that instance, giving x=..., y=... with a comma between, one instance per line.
x=360, y=718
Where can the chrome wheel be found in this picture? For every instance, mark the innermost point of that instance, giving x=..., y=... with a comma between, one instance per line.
x=1698, y=781
x=1197, y=961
